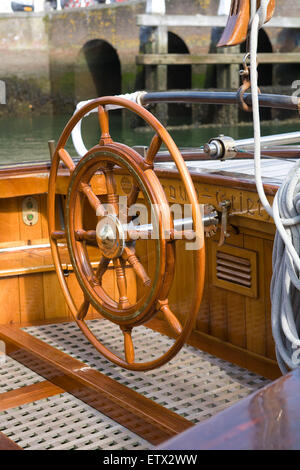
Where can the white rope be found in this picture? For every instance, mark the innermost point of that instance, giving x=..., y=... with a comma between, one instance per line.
x=77, y=132
x=285, y=285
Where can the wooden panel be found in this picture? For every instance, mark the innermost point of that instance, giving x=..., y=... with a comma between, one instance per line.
x=268, y=249
x=28, y=394
x=255, y=308
x=183, y=287
x=145, y=252
x=218, y=313
x=131, y=284
x=31, y=297
x=217, y=300
x=75, y=290
x=23, y=185
x=214, y=190
x=43, y=215
x=10, y=301
x=54, y=301
x=236, y=320
x=235, y=303
x=203, y=319
x=9, y=220
x=110, y=284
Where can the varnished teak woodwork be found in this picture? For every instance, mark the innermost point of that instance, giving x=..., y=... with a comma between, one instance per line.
x=224, y=315
x=7, y=444
x=266, y=420
x=230, y=324
x=105, y=157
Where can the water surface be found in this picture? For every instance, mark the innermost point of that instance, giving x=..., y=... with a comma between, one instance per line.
x=24, y=139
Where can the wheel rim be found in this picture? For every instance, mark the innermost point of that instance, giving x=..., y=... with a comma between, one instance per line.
x=167, y=254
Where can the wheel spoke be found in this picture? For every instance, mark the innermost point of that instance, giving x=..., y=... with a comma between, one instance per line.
x=133, y=195
x=121, y=283
x=104, y=126
x=128, y=345
x=93, y=199
x=58, y=235
x=83, y=235
x=130, y=256
x=102, y=267
x=131, y=200
x=163, y=306
x=133, y=234
x=111, y=188
x=83, y=310
x=153, y=149
x=67, y=159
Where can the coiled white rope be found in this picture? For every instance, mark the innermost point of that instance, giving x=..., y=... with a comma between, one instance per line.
x=285, y=285
x=77, y=132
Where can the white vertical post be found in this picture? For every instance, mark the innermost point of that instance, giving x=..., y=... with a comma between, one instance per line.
x=58, y=4
x=156, y=7
x=224, y=7
x=39, y=5
x=159, y=46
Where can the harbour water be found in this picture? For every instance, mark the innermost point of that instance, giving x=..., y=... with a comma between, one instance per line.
x=24, y=139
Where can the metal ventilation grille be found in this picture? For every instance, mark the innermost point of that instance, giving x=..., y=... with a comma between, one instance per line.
x=233, y=269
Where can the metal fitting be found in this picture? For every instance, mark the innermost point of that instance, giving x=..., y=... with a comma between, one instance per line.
x=221, y=147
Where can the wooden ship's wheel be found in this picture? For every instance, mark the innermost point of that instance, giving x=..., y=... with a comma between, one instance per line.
x=116, y=244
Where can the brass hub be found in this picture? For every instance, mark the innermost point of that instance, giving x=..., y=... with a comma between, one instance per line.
x=110, y=236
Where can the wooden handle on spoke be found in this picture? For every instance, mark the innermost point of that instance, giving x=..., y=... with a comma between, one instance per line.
x=130, y=256
x=83, y=310
x=128, y=346
x=83, y=235
x=169, y=316
x=93, y=199
x=67, y=159
x=102, y=267
x=111, y=186
x=153, y=149
x=133, y=195
x=104, y=126
x=58, y=235
x=121, y=283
